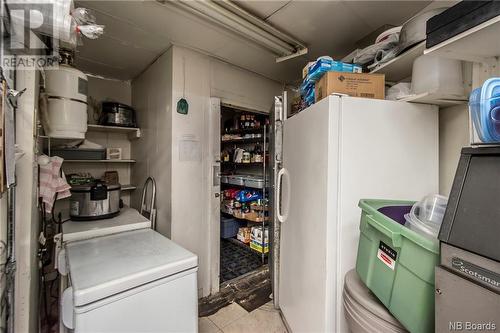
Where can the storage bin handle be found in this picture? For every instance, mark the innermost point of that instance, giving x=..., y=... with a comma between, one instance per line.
x=394, y=236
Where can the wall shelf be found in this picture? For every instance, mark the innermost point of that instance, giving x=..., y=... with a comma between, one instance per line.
x=128, y=187
x=132, y=132
x=442, y=100
x=401, y=67
x=242, y=141
x=478, y=44
x=99, y=161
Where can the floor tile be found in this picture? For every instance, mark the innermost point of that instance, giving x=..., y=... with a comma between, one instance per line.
x=227, y=315
x=257, y=321
x=269, y=306
x=205, y=325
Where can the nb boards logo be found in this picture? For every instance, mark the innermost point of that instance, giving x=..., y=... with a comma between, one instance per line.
x=30, y=34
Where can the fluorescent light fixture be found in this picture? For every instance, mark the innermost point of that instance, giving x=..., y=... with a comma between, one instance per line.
x=230, y=16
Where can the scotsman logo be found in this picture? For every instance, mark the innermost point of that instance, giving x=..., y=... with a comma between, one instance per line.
x=488, y=277
x=30, y=39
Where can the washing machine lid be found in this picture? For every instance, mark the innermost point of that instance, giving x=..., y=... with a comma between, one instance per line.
x=108, y=265
x=364, y=297
x=128, y=219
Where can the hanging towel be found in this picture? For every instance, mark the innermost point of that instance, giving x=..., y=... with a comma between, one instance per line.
x=52, y=181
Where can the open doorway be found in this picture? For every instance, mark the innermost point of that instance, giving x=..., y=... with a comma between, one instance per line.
x=244, y=230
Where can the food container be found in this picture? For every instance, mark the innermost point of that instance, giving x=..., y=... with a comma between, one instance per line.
x=224, y=179
x=484, y=112
x=254, y=182
x=430, y=209
x=246, y=157
x=94, y=201
x=244, y=235
x=228, y=227
x=437, y=75
x=236, y=180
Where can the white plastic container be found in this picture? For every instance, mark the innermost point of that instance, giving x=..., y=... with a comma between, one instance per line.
x=66, y=118
x=437, y=75
x=66, y=88
x=427, y=215
x=430, y=209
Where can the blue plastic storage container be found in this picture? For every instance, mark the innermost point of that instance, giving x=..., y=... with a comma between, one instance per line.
x=228, y=227
x=484, y=108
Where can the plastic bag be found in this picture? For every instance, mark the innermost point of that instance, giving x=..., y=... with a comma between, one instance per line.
x=368, y=54
x=83, y=16
x=92, y=31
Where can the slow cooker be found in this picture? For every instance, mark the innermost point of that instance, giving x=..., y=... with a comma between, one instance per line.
x=94, y=201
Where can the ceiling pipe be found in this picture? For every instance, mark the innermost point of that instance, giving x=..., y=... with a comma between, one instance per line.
x=259, y=32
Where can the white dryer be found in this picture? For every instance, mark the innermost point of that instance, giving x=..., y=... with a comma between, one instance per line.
x=134, y=281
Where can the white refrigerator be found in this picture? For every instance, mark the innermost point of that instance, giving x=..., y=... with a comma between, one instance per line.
x=334, y=153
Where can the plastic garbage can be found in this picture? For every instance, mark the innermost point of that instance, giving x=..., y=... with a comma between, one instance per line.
x=364, y=313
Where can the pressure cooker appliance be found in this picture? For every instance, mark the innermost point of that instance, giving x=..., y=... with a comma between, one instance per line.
x=94, y=201
x=117, y=114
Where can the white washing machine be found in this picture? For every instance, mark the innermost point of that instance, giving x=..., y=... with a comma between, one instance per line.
x=134, y=281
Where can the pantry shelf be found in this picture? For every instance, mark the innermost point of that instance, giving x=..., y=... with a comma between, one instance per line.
x=128, y=187
x=132, y=132
x=442, y=100
x=245, y=131
x=478, y=44
x=400, y=67
x=244, y=140
x=238, y=164
x=99, y=161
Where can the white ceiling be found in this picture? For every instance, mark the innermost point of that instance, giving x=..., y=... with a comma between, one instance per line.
x=137, y=32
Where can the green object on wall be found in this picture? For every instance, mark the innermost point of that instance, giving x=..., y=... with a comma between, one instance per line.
x=182, y=106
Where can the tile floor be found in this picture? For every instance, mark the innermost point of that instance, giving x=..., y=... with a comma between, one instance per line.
x=234, y=319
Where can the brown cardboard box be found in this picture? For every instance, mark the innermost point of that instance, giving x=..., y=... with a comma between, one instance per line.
x=352, y=84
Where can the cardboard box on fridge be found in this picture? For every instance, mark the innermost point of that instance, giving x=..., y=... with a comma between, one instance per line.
x=352, y=84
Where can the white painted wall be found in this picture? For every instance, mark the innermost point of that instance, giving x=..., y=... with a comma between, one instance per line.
x=151, y=98
x=204, y=77
x=183, y=183
x=453, y=135
x=27, y=222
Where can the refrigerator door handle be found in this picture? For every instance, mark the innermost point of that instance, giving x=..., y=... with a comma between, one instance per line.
x=282, y=217
x=67, y=311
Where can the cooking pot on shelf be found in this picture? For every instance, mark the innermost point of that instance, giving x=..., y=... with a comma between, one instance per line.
x=94, y=201
x=117, y=114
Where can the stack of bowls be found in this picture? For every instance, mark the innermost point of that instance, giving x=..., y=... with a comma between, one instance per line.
x=427, y=215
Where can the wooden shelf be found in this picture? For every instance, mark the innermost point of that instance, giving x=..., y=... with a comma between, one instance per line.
x=400, y=67
x=99, y=161
x=243, y=141
x=132, y=132
x=436, y=99
x=478, y=44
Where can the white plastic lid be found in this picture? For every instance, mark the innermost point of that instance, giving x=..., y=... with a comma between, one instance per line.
x=108, y=265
